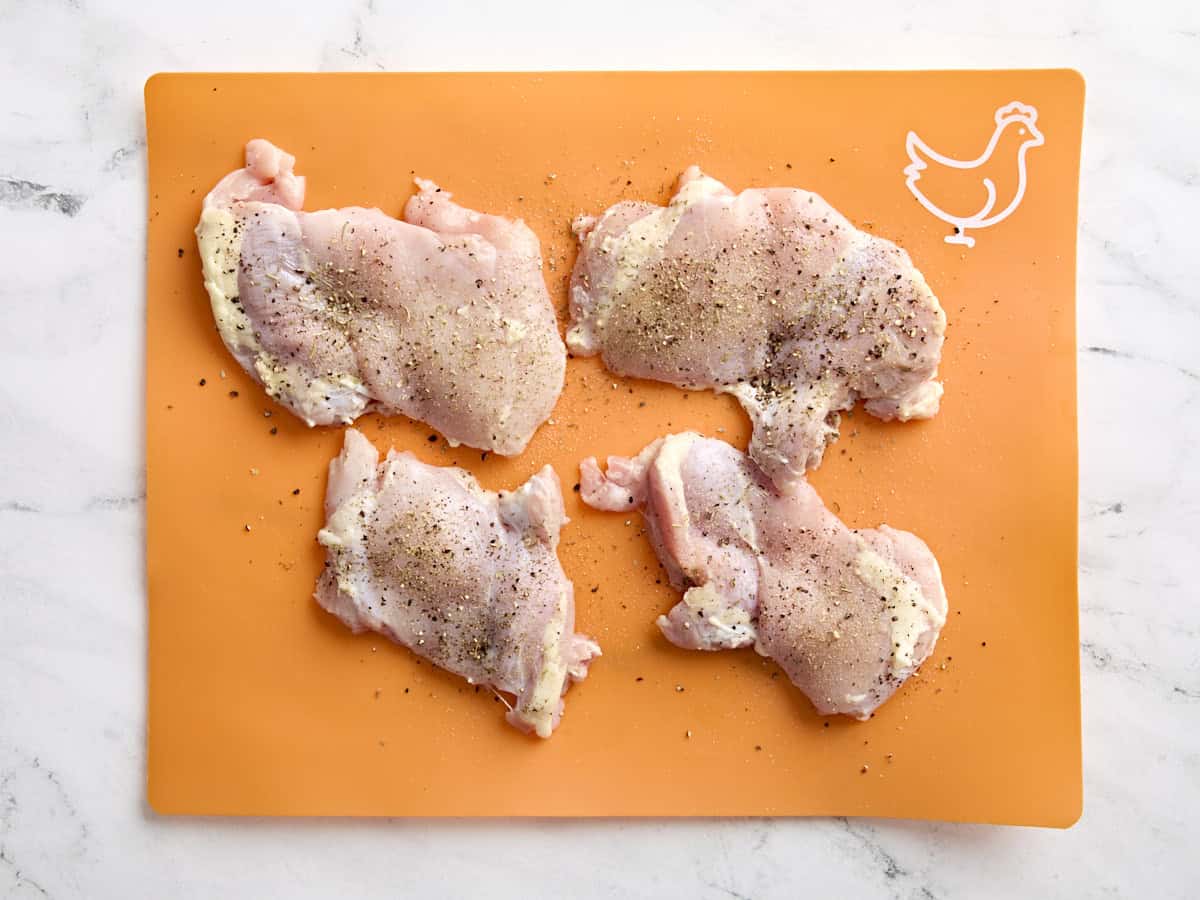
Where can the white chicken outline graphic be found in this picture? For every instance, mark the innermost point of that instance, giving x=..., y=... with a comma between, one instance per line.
x=1015, y=114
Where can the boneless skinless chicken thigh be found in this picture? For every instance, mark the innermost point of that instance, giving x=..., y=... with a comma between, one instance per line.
x=848, y=614
x=464, y=577
x=771, y=295
x=443, y=316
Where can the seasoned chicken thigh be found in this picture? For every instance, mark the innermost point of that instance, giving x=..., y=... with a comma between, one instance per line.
x=848, y=614
x=464, y=577
x=443, y=317
x=771, y=295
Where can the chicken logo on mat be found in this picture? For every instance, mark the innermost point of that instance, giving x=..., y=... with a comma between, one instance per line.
x=980, y=192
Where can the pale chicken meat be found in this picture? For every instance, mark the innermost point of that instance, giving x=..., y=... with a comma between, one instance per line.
x=442, y=316
x=771, y=295
x=848, y=614
x=464, y=577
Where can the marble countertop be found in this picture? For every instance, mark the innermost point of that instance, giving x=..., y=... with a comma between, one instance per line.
x=73, y=816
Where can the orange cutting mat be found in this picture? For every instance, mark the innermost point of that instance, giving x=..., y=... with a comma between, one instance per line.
x=261, y=703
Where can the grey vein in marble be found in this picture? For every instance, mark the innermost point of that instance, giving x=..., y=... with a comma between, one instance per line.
x=17, y=194
x=1124, y=354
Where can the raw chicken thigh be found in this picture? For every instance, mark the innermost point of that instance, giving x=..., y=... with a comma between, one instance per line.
x=443, y=317
x=464, y=577
x=771, y=295
x=848, y=614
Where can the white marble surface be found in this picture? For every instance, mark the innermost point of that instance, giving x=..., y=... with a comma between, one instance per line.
x=73, y=820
